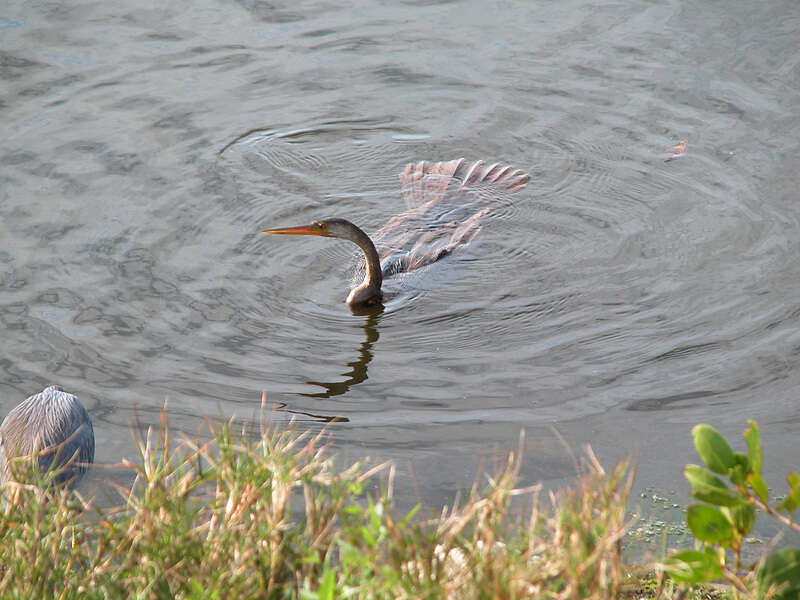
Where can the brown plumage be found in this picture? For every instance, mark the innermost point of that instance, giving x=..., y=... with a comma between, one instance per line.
x=445, y=201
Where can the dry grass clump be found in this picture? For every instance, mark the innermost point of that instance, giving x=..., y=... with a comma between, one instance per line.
x=485, y=550
x=269, y=517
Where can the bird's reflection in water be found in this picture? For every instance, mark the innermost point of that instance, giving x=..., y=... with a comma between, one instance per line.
x=356, y=374
x=321, y=418
x=358, y=368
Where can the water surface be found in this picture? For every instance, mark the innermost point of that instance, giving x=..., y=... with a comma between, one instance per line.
x=618, y=300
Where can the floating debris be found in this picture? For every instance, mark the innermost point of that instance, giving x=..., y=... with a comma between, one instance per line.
x=676, y=151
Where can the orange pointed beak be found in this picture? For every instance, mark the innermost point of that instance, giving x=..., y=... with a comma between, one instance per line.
x=300, y=230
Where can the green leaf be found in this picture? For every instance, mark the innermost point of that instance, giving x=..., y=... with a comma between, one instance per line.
x=709, y=488
x=327, y=587
x=410, y=514
x=713, y=449
x=708, y=524
x=780, y=572
x=757, y=484
x=743, y=518
x=693, y=566
x=739, y=471
x=792, y=500
x=368, y=536
x=753, y=438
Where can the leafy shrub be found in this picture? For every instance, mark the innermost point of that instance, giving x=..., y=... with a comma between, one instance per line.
x=726, y=515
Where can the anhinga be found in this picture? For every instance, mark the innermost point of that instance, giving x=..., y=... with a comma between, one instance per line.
x=446, y=202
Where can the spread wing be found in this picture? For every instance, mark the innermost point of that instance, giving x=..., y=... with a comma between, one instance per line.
x=426, y=183
x=446, y=202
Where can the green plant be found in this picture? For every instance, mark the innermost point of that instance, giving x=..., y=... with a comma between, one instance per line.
x=727, y=513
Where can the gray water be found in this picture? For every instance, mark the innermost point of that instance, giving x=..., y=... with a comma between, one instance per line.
x=618, y=300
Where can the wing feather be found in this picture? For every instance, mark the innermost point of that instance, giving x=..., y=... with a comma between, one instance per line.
x=446, y=203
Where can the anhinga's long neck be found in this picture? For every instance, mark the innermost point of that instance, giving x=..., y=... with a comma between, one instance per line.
x=370, y=288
